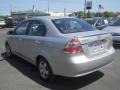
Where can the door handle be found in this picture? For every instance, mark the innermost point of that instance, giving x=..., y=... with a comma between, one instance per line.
x=38, y=42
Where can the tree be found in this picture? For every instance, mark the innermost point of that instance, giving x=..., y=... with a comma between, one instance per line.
x=89, y=14
x=104, y=14
x=78, y=14
x=108, y=14
x=98, y=14
x=1, y=16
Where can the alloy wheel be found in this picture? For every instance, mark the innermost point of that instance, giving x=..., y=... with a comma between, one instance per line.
x=44, y=71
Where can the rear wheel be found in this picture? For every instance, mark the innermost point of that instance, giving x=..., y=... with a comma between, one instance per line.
x=45, y=70
x=8, y=51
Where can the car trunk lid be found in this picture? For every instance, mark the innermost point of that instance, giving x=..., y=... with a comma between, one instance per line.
x=94, y=45
x=93, y=42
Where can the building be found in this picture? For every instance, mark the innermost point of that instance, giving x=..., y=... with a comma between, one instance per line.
x=27, y=13
x=59, y=14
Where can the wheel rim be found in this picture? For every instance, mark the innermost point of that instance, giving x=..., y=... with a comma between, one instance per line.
x=43, y=68
x=8, y=50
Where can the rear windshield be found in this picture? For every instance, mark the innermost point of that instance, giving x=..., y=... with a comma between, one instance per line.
x=72, y=25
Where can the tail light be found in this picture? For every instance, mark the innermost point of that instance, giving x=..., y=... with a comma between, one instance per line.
x=73, y=46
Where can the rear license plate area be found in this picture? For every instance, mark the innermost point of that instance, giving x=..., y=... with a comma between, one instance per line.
x=96, y=47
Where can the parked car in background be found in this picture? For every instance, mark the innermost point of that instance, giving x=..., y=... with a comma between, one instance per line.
x=114, y=19
x=60, y=46
x=114, y=29
x=10, y=22
x=98, y=22
x=2, y=23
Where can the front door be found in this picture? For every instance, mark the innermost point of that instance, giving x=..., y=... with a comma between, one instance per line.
x=20, y=33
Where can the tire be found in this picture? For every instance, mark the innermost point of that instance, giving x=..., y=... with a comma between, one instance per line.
x=3, y=26
x=45, y=70
x=8, y=51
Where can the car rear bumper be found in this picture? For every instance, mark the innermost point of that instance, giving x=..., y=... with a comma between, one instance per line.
x=75, y=67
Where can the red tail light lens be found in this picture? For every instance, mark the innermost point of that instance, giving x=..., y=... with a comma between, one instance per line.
x=73, y=46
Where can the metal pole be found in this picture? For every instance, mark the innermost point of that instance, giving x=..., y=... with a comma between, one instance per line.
x=85, y=8
x=11, y=8
x=48, y=7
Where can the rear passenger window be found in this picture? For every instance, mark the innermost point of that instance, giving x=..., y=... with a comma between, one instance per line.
x=37, y=28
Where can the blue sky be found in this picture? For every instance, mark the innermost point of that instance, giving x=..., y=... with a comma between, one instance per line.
x=56, y=5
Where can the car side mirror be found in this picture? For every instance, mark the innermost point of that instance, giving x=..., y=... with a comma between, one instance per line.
x=10, y=33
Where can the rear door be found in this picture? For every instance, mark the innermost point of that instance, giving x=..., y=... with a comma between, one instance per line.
x=34, y=40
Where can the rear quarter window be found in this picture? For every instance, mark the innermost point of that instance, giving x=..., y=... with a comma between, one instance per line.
x=72, y=25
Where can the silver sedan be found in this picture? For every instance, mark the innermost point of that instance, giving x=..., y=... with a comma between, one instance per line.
x=60, y=46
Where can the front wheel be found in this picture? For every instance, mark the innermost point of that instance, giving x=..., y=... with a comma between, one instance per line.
x=45, y=70
x=8, y=51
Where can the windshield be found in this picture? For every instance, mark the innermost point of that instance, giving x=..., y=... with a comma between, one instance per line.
x=72, y=25
x=116, y=23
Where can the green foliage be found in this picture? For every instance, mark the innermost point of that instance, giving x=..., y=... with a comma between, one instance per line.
x=98, y=14
x=1, y=16
x=89, y=14
x=108, y=14
x=104, y=14
x=78, y=14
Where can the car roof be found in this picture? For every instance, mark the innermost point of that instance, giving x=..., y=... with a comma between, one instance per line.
x=49, y=17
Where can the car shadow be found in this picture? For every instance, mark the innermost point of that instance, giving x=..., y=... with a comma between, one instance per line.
x=61, y=83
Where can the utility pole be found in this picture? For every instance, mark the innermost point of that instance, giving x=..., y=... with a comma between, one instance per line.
x=85, y=8
x=48, y=6
x=65, y=12
x=11, y=8
x=33, y=10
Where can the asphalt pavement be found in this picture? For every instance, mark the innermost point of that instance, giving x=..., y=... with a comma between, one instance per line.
x=17, y=74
